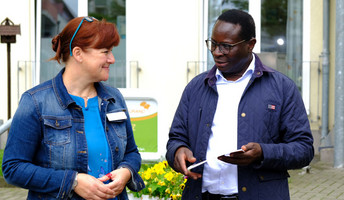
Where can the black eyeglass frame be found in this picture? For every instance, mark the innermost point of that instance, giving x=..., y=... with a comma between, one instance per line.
x=223, y=47
x=89, y=19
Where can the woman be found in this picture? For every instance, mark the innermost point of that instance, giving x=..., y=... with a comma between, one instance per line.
x=71, y=137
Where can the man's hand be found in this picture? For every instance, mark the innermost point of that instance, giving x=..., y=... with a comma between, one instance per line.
x=252, y=153
x=184, y=154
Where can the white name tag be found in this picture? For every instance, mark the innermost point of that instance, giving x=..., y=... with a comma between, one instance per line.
x=117, y=116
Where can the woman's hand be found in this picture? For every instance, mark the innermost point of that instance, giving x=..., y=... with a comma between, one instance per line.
x=93, y=189
x=119, y=177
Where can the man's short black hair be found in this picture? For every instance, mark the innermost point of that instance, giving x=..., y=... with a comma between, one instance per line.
x=245, y=20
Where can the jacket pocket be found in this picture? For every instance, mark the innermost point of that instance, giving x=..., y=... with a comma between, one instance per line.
x=57, y=139
x=272, y=121
x=57, y=130
x=272, y=175
x=273, y=185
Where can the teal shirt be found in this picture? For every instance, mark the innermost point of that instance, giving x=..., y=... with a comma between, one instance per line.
x=99, y=156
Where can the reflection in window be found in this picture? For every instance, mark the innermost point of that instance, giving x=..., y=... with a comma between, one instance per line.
x=55, y=15
x=113, y=11
x=281, y=36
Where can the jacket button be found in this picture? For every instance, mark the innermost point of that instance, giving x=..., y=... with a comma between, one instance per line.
x=243, y=114
x=258, y=73
x=117, y=149
x=244, y=189
x=261, y=178
x=107, y=129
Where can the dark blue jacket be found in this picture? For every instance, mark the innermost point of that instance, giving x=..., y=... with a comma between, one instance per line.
x=271, y=112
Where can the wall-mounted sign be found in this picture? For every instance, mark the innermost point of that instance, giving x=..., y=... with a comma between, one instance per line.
x=144, y=119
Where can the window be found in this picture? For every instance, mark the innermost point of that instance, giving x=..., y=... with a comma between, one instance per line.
x=113, y=11
x=55, y=14
x=280, y=29
x=281, y=35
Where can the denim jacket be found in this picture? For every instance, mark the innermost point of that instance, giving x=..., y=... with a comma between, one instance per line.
x=271, y=112
x=46, y=146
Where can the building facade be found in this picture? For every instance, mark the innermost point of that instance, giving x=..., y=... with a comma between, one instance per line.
x=162, y=47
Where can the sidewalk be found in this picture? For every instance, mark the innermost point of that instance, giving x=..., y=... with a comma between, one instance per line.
x=320, y=182
x=323, y=182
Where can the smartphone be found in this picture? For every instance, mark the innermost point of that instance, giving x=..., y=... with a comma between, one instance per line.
x=236, y=151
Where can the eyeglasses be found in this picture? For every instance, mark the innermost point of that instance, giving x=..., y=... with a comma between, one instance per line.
x=89, y=19
x=224, y=47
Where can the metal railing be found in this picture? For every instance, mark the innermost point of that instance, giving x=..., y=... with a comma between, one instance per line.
x=4, y=127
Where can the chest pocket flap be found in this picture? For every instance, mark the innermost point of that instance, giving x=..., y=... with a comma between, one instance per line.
x=57, y=131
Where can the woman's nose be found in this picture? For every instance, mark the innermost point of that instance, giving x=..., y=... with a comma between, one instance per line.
x=111, y=58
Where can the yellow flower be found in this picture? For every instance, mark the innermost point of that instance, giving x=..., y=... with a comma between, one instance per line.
x=165, y=163
x=147, y=174
x=168, y=191
x=169, y=176
x=159, y=168
x=161, y=183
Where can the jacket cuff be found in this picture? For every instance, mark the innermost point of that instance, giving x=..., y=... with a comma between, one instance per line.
x=135, y=183
x=66, y=185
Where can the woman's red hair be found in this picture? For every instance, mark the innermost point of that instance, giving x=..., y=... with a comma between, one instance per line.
x=96, y=34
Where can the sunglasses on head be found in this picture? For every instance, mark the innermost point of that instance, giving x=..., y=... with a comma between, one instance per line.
x=89, y=19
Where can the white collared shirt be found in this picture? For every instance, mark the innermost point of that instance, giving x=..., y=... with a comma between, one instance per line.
x=220, y=177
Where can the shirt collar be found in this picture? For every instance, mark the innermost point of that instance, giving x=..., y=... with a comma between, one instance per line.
x=249, y=71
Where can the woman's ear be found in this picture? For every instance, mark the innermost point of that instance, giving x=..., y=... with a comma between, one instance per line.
x=77, y=54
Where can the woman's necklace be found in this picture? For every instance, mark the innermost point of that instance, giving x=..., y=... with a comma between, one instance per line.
x=86, y=98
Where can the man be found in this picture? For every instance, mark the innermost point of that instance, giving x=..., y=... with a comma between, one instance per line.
x=239, y=104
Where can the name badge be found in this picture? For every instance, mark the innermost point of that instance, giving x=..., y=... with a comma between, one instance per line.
x=117, y=116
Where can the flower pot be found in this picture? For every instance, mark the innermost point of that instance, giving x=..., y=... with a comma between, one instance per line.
x=144, y=197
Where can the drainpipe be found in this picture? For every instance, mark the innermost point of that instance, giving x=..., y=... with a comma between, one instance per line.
x=325, y=141
x=339, y=87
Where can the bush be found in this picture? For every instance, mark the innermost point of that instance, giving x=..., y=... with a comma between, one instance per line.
x=161, y=181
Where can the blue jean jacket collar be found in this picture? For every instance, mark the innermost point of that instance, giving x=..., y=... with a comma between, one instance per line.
x=64, y=98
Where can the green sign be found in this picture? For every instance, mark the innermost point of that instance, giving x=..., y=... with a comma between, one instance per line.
x=144, y=119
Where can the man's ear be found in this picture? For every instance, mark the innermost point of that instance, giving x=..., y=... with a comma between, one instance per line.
x=251, y=44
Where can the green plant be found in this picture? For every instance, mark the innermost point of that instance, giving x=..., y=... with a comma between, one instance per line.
x=161, y=181
x=1, y=155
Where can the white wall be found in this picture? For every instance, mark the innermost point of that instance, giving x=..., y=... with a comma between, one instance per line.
x=20, y=13
x=162, y=35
